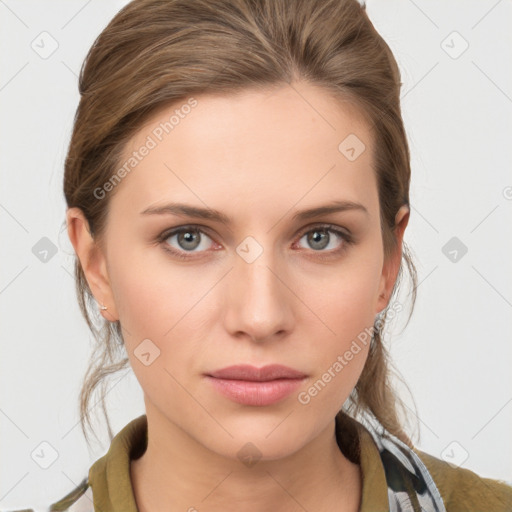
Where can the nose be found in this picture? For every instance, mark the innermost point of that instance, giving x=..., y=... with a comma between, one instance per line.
x=259, y=302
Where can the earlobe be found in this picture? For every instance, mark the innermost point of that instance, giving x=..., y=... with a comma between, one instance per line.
x=92, y=261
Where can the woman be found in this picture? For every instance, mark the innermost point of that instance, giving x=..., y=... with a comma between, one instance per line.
x=237, y=186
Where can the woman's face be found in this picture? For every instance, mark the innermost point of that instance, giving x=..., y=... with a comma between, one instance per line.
x=265, y=287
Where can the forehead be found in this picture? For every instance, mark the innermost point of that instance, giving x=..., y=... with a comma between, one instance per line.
x=256, y=149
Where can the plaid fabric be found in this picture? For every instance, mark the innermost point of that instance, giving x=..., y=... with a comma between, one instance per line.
x=410, y=485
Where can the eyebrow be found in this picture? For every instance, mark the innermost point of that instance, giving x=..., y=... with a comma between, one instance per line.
x=187, y=210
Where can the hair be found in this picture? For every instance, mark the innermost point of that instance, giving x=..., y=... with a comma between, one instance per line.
x=155, y=53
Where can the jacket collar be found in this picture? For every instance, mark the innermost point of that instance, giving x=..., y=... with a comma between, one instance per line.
x=110, y=480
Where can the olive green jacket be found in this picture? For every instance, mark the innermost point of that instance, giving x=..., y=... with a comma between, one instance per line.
x=108, y=486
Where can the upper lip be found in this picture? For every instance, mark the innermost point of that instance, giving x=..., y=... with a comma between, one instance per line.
x=252, y=373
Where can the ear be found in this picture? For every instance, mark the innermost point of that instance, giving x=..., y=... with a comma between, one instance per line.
x=93, y=261
x=392, y=265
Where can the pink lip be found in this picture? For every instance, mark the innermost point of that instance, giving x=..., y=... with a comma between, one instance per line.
x=249, y=385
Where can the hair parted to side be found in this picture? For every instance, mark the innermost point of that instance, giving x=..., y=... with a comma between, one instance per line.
x=154, y=53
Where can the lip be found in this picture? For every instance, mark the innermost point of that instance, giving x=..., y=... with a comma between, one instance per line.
x=252, y=373
x=249, y=385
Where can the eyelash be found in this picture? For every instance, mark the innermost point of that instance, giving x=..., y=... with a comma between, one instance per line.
x=347, y=239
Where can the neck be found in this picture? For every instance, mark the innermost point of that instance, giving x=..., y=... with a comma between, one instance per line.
x=176, y=472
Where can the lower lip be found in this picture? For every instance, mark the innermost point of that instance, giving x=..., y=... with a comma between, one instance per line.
x=255, y=393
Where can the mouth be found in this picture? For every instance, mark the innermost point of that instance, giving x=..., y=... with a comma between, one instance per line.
x=249, y=385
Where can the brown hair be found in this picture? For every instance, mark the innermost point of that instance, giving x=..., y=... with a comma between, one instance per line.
x=154, y=53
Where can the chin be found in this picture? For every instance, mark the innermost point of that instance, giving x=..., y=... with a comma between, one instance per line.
x=266, y=437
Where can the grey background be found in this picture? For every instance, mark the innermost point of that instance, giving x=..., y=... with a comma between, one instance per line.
x=456, y=352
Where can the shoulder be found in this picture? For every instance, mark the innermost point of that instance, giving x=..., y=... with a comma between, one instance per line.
x=464, y=490
x=78, y=500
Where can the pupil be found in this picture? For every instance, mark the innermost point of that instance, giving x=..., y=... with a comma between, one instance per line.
x=318, y=235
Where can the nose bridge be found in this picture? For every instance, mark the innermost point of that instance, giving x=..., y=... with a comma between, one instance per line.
x=255, y=264
x=258, y=294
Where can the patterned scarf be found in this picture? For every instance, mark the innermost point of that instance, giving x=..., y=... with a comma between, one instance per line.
x=410, y=486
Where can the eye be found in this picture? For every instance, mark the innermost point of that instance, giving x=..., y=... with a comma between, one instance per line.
x=319, y=238
x=190, y=238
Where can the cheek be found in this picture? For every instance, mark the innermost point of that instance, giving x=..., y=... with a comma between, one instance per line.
x=148, y=289
x=152, y=301
x=158, y=300
x=345, y=303
x=345, y=298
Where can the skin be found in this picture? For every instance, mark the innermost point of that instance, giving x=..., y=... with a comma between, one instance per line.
x=258, y=157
